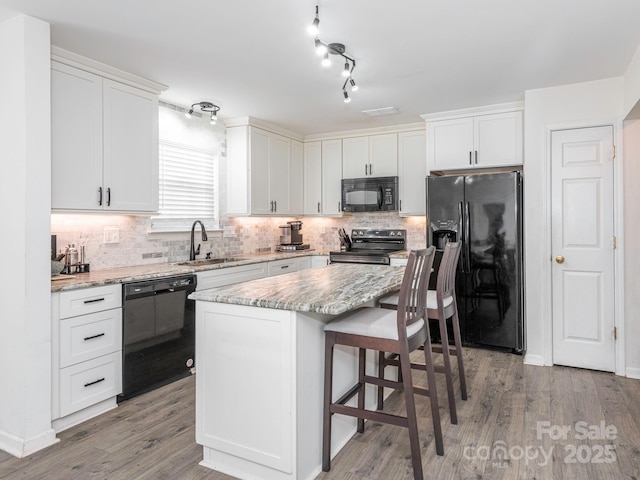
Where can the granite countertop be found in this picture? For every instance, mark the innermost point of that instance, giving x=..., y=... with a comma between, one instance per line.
x=158, y=270
x=333, y=290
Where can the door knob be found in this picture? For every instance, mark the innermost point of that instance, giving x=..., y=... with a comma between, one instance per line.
x=560, y=259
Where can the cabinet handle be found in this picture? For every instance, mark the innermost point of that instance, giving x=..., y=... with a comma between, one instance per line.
x=94, y=300
x=400, y=204
x=338, y=206
x=365, y=169
x=318, y=207
x=271, y=207
x=109, y=197
x=100, y=196
x=93, y=336
x=370, y=169
x=275, y=205
x=284, y=266
x=94, y=382
x=476, y=152
x=470, y=162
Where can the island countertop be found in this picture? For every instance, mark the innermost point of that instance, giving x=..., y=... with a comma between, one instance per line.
x=332, y=290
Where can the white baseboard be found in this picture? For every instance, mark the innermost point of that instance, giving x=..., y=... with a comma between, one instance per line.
x=633, y=372
x=21, y=447
x=61, y=424
x=537, y=360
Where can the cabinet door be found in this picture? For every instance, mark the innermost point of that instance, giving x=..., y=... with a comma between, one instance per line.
x=130, y=119
x=280, y=173
x=355, y=157
x=76, y=138
x=498, y=139
x=332, y=177
x=312, y=178
x=383, y=159
x=259, y=153
x=296, y=180
x=450, y=144
x=412, y=164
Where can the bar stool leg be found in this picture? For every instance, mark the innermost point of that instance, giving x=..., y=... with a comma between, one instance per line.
x=458, y=343
x=361, y=365
x=444, y=341
x=433, y=394
x=414, y=438
x=380, y=375
x=328, y=392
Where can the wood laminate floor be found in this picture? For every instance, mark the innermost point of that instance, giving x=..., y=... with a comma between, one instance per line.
x=509, y=428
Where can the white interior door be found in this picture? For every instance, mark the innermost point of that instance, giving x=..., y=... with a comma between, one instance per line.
x=582, y=247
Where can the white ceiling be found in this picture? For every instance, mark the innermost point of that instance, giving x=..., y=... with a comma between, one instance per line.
x=254, y=57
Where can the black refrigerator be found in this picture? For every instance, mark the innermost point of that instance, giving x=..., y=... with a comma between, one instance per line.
x=484, y=212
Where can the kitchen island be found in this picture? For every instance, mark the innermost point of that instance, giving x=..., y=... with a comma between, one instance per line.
x=259, y=360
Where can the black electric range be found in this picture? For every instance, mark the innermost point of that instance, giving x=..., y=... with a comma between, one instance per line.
x=371, y=246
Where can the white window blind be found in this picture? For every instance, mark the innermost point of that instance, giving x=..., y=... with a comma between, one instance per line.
x=188, y=183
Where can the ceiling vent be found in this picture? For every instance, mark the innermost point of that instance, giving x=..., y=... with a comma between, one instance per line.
x=376, y=112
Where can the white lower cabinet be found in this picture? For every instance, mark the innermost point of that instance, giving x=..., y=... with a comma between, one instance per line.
x=90, y=382
x=86, y=353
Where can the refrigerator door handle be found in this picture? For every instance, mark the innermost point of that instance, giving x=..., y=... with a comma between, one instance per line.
x=467, y=221
x=461, y=229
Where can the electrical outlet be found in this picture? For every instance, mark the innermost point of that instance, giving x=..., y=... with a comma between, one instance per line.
x=111, y=235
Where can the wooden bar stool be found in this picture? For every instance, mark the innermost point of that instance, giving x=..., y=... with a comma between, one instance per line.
x=399, y=332
x=441, y=305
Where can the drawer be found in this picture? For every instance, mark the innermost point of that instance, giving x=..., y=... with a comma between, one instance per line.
x=90, y=382
x=90, y=336
x=231, y=275
x=90, y=300
x=279, y=267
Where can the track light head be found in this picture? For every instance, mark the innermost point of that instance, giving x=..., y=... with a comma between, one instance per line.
x=325, y=60
x=354, y=87
x=313, y=28
x=321, y=48
x=347, y=99
x=189, y=113
x=347, y=70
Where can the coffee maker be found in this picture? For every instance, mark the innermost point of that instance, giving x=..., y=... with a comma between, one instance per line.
x=290, y=237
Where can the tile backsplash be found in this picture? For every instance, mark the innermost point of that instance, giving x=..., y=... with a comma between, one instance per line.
x=236, y=236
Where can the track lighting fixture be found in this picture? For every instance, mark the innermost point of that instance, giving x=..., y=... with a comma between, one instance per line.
x=207, y=107
x=325, y=50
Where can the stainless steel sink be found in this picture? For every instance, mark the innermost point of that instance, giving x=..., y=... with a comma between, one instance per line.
x=211, y=261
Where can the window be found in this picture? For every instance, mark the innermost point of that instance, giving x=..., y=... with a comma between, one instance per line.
x=189, y=152
x=188, y=187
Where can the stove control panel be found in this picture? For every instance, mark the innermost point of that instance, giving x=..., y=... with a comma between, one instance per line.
x=381, y=234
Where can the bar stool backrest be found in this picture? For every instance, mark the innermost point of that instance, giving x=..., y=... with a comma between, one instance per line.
x=413, y=291
x=446, y=284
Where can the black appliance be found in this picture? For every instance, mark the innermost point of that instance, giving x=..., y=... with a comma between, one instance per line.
x=370, y=246
x=484, y=212
x=371, y=194
x=158, y=333
x=291, y=238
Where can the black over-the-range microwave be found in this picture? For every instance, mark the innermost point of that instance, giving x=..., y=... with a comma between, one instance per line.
x=371, y=194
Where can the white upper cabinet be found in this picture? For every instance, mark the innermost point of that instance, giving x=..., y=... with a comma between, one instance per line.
x=104, y=143
x=479, y=141
x=412, y=166
x=264, y=172
x=313, y=178
x=332, y=177
x=370, y=156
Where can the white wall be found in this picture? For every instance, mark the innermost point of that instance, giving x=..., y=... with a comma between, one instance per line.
x=568, y=105
x=631, y=86
x=25, y=206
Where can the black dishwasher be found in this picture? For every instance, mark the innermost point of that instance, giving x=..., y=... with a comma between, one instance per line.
x=158, y=333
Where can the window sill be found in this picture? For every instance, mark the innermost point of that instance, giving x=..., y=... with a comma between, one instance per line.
x=180, y=226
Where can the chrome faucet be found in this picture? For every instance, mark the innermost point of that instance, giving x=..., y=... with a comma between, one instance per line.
x=193, y=252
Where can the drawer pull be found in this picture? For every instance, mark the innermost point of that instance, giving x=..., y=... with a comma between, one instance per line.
x=93, y=336
x=284, y=266
x=94, y=300
x=94, y=382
